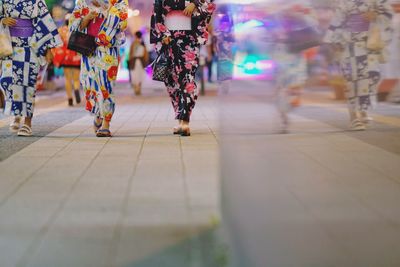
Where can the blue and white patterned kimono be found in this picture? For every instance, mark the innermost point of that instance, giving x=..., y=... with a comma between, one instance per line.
x=99, y=71
x=20, y=70
x=359, y=65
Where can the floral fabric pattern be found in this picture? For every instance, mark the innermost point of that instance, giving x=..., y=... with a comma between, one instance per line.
x=200, y=20
x=184, y=51
x=99, y=71
x=359, y=65
x=20, y=70
x=181, y=84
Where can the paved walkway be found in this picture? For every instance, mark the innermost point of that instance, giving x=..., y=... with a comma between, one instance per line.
x=318, y=196
x=70, y=199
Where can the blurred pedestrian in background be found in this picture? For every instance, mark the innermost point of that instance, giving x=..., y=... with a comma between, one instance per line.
x=33, y=34
x=70, y=61
x=292, y=72
x=138, y=59
x=210, y=55
x=181, y=27
x=224, y=41
x=106, y=21
x=2, y=99
x=359, y=32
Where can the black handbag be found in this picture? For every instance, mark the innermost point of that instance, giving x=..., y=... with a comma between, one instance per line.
x=303, y=39
x=161, y=67
x=301, y=35
x=82, y=43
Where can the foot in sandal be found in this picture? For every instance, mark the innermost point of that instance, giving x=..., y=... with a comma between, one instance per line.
x=25, y=130
x=15, y=125
x=103, y=133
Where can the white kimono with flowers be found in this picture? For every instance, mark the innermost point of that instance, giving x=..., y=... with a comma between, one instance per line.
x=360, y=66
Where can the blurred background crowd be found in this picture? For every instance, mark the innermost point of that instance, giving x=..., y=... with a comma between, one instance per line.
x=244, y=44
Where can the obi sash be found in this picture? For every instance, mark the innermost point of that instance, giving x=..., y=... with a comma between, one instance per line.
x=357, y=23
x=23, y=28
x=177, y=21
x=94, y=26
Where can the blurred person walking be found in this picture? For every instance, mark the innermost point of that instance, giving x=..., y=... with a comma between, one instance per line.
x=138, y=58
x=210, y=45
x=33, y=35
x=106, y=21
x=291, y=69
x=224, y=41
x=358, y=24
x=180, y=28
x=70, y=61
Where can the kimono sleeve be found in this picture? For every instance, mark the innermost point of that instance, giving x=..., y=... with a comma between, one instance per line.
x=205, y=7
x=46, y=31
x=80, y=11
x=336, y=31
x=158, y=30
x=111, y=32
x=203, y=14
x=1, y=11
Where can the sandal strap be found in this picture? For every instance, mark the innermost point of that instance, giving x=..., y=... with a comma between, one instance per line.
x=106, y=131
x=26, y=128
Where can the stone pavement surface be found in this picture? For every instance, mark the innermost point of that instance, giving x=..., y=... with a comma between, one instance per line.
x=71, y=199
x=318, y=196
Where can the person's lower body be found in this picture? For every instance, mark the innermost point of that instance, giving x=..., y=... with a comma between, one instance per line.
x=362, y=71
x=18, y=81
x=181, y=83
x=137, y=77
x=209, y=64
x=358, y=111
x=72, y=84
x=283, y=105
x=225, y=86
x=295, y=95
x=98, y=82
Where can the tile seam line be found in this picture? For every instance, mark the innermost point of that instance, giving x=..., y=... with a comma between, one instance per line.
x=325, y=229
x=190, y=218
x=335, y=174
x=390, y=177
x=117, y=232
x=389, y=222
x=23, y=182
x=35, y=244
x=209, y=127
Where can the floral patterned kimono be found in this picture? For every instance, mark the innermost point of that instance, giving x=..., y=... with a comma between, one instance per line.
x=184, y=51
x=99, y=71
x=359, y=65
x=19, y=71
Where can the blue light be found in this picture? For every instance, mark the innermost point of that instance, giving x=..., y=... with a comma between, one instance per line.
x=245, y=26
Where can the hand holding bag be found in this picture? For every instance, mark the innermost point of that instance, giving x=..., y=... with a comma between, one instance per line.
x=82, y=43
x=161, y=66
x=375, y=41
x=85, y=43
x=6, y=48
